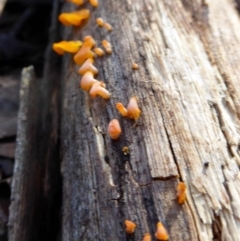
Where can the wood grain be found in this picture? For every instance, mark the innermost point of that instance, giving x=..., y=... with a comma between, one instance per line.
x=188, y=90
x=36, y=184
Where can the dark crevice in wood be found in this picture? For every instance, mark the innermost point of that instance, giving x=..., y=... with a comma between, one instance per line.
x=8, y=139
x=121, y=172
x=164, y=178
x=149, y=205
x=217, y=228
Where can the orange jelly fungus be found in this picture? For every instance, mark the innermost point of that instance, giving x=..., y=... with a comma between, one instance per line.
x=99, y=22
x=132, y=109
x=77, y=2
x=87, y=81
x=135, y=66
x=122, y=110
x=129, y=226
x=114, y=130
x=107, y=46
x=181, y=192
x=161, y=233
x=147, y=237
x=88, y=67
x=90, y=40
x=74, y=18
x=98, y=88
x=94, y=3
x=67, y=46
x=107, y=26
x=98, y=51
x=85, y=51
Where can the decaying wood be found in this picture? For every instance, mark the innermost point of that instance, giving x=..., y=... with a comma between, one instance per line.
x=36, y=187
x=188, y=90
x=33, y=187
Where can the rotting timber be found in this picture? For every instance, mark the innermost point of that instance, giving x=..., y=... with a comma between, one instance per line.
x=187, y=88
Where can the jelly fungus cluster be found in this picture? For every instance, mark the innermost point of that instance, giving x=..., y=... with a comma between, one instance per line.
x=85, y=53
x=101, y=23
x=132, y=110
x=160, y=234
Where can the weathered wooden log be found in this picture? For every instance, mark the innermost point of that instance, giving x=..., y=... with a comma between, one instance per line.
x=36, y=184
x=188, y=91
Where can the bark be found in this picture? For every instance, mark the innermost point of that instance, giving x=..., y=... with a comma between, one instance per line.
x=188, y=90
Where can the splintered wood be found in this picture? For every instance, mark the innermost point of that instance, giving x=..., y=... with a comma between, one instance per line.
x=187, y=87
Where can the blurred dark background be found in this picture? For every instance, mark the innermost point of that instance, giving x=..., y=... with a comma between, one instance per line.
x=24, y=33
x=24, y=26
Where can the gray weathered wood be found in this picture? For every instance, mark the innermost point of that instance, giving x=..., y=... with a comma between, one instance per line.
x=188, y=89
x=36, y=184
x=36, y=178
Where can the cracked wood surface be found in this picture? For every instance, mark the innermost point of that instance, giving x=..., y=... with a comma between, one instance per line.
x=188, y=90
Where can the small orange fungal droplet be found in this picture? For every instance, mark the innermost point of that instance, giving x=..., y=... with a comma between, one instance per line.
x=87, y=81
x=114, y=131
x=85, y=51
x=161, y=233
x=129, y=226
x=94, y=3
x=147, y=237
x=67, y=46
x=181, y=192
x=122, y=110
x=69, y=19
x=99, y=22
x=107, y=26
x=89, y=40
x=132, y=109
x=135, y=66
x=107, y=46
x=98, y=51
x=98, y=88
x=88, y=67
x=74, y=18
x=81, y=56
